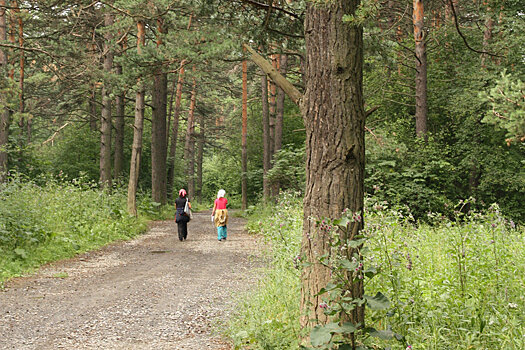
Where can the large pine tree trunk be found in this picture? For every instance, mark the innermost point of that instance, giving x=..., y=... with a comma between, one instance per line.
x=158, y=137
x=334, y=118
x=189, y=149
x=175, y=131
x=136, y=151
x=105, y=121
x=244, y=170
x=421, y=69
x=158, y=128
x=266, y=136
x=4, y=111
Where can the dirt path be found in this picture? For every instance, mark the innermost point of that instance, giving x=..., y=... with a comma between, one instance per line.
x=150, y=293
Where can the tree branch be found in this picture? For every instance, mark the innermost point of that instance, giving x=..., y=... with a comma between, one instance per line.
x=267, y=7
x=463, y=36
x=294, y=94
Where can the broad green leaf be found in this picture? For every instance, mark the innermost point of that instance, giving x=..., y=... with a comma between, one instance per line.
x=377, y=302
x=21, y=252
x=320, y=335
x=382, y=334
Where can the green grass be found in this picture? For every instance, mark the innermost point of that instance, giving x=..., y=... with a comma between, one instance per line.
x=40, y=224
x=453, y=284
x=268, y=315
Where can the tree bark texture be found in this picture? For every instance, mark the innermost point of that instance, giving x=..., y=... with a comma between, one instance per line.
x=189, y=155
x=158, y=137
x=487, y=35
x=266, y=136
x=120, y=112
x=19, y=21
x=334, y=117
x=158, y=126
x=244, y=181
x=136, y=151
x=421, y=69
x=93, y=109
x=279, y=115
x=105, y=120
x=175, y=130
x=272, y=88
x=200, y=157
x=4, y=111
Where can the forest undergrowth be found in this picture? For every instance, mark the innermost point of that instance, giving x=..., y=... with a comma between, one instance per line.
x=452, y=283
x=53, y=220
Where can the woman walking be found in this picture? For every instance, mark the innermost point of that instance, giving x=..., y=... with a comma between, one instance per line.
x=220, y=215
x=181, y=218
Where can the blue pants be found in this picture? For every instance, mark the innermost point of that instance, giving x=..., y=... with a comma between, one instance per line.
x=221, y=232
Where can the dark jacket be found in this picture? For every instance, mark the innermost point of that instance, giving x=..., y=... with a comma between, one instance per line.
x=180, y=215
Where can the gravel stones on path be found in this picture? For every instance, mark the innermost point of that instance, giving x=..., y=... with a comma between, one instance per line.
x=154, y=292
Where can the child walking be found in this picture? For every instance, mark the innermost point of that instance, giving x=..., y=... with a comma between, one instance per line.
x=220, y=215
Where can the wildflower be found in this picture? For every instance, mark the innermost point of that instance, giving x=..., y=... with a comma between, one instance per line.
x=409, y=347
x=513, y=305
x=323, y=305
x=512, y=224
x=493, y=225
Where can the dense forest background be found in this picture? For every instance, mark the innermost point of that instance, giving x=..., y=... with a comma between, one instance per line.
x=72, y=70
x=108, y=108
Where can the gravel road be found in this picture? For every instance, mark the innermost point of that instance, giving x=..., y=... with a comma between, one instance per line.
x=153, y=292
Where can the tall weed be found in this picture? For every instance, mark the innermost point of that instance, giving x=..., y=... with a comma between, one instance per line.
x=453, y=284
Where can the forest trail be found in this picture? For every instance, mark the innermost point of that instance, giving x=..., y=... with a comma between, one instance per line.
x=153, y=292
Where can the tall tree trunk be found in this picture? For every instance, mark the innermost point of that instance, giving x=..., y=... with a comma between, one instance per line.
x=266, y=136
x=175, y=131
x=279, y=115
x=138, y=126
x=334, y=118
x=200, y=157
x=158, y=130
x=421, y=70
x=93, y=109
x=19, y=21
x=189, y=146
x=244, y=170
x=273, y=94
x=487, y=35
x=169, y=114
x=175, y=127
x=120, y=112
x=105, y=121
x=4, y=111
x=158, y=138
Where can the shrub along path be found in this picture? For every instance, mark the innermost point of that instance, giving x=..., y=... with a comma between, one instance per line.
x=153, y=292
